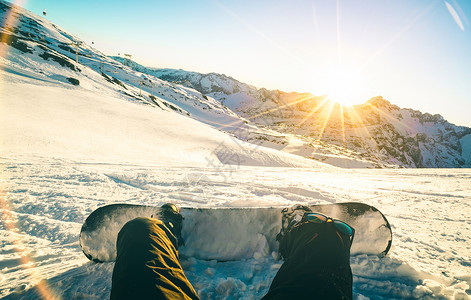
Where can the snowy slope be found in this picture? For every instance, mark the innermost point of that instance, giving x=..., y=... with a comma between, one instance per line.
x=76, y=124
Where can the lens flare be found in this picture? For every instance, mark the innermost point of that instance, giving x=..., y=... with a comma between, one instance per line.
x=343, y=85
x=8, y=217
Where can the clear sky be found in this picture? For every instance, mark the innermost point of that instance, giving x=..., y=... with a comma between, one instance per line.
x=416, y=54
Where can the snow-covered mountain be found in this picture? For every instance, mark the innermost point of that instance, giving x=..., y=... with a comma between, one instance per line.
x=375, y=134
x=75, y=90
x=43, y=52
x=376, y=131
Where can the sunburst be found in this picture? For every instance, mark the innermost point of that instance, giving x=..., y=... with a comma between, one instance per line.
x=343, y=85
x=8, y=216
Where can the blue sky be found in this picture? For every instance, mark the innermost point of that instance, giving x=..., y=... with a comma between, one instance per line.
x=416, y=54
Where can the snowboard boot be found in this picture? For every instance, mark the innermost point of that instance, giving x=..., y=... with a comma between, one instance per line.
x=170, y=215
x=291, y=217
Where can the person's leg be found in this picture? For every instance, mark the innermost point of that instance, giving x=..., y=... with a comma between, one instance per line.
x=317, y=264
x=147, y=264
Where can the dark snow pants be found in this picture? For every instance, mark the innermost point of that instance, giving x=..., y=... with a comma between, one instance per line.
x=317, y=264
x=147, y=264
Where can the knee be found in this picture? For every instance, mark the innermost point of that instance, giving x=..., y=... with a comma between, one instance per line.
x=141, y=224
x=139, y=230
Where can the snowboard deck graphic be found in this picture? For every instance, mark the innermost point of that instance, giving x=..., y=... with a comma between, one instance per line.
x=225, y=234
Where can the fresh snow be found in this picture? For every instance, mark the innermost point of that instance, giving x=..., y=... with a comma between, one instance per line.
x=48, y=199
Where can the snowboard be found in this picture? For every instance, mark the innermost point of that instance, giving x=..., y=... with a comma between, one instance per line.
x=226, y=234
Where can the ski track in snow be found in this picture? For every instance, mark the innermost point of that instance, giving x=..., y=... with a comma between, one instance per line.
x=48, y=200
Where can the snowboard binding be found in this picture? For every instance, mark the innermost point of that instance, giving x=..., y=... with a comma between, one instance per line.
x=290, y=217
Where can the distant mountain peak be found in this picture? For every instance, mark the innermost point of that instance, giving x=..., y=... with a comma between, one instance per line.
x=381, y=103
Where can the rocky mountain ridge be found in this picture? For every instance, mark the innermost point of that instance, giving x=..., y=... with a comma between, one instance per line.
x=376, y=130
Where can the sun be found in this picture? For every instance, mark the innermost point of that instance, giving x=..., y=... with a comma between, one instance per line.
x=343, y=85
